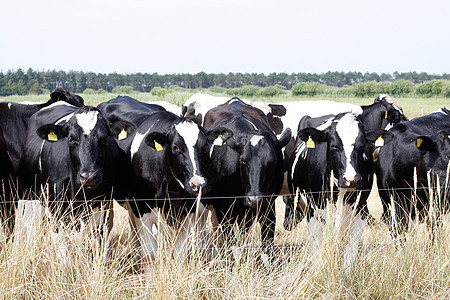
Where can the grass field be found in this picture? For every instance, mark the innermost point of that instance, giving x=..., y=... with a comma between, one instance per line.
x=418, y=269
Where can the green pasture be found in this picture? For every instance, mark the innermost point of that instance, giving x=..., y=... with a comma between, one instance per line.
x=412, y=107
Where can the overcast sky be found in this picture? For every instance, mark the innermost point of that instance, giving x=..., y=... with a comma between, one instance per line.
x=221, y=36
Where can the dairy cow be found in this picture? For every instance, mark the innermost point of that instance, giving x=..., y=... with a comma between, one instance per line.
x=73, y=151
x=14, y=118
x=419, y=148
x=167, y=156
x=247, y=169
x=332, y=160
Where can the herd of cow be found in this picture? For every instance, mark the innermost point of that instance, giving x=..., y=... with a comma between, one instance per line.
x=236, y=155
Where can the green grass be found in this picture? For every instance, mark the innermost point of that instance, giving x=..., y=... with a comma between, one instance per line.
x=412, y=107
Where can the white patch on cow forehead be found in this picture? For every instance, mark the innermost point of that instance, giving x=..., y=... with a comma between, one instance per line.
x=255, y=140
x=87, y=121
x=347, y=129
x=190, y=132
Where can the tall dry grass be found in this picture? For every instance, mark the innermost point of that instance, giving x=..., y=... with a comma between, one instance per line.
x=33, y=269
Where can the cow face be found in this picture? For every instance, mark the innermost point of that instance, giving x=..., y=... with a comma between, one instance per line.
x=391, y=112
x=186, y=146
x=260, y=165
x=86, y=134
x=348, y=153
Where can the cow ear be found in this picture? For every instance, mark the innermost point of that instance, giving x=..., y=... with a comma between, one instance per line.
x=156, y=140
x=199, y=119
x=313, y=134
x=379, y=137
x=285, y=137
x=122, y=129
x=51, y=132
x=425, y=143
x=219, y=136
x=58, y=95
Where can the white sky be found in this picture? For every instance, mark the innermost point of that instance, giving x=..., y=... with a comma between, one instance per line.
x=219, y=36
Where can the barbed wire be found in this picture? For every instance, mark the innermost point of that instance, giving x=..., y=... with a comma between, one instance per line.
x=186, y=199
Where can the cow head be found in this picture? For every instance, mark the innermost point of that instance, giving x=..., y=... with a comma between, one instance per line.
x=86, y=134
x=260, y=164
x=186, y=146
x=60, y=94
x=390, y=112
x=348, y=151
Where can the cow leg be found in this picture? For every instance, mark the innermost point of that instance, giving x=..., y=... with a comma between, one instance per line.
x=146, y=234
x=356, y=230
x=267, y=221
x=193, y=232
x=316, y=228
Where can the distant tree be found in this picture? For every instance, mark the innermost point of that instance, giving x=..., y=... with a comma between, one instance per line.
x=35, y=89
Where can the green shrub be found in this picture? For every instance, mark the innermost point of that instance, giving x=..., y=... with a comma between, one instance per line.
x=270, y=91
x=101, y=91
x=445, y=92
x=308, y=89
x=124, y=89
x=244, y=91
x=217, y=89
x=402, y=87
x=371, y=88
x=425, y=89
x=89, y=91
x=159, y=91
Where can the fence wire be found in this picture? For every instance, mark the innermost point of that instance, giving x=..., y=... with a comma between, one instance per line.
x=305, y=193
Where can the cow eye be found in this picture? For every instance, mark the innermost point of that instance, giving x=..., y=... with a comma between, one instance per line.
x=176, y=149
x=244, y=163
x=73, y=140
x=334, y=148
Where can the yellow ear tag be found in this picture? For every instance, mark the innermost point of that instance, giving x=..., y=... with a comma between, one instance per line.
x=52, y=137
x=310, y=143
x=419, y=142
x=379, y=142
x=385, y=116
x=122, y=135
x=158, y=146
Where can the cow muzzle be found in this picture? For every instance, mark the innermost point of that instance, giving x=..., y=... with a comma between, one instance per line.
x=89, y=179
x=351, y=182
x=196, y=183
x=253, y=201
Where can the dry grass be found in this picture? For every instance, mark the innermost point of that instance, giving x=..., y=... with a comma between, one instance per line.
x=31, y=269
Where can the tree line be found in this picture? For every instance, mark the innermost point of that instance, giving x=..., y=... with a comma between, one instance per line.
x=19, y=82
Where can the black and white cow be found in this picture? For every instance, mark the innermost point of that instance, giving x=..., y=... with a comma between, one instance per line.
x=14, y=119
x=333, y=153
x=73, y=151
x=384, y=113
x=418, y=146
x=6, y=197
x=128, y=109
x=168, y=157
x=248, y=168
